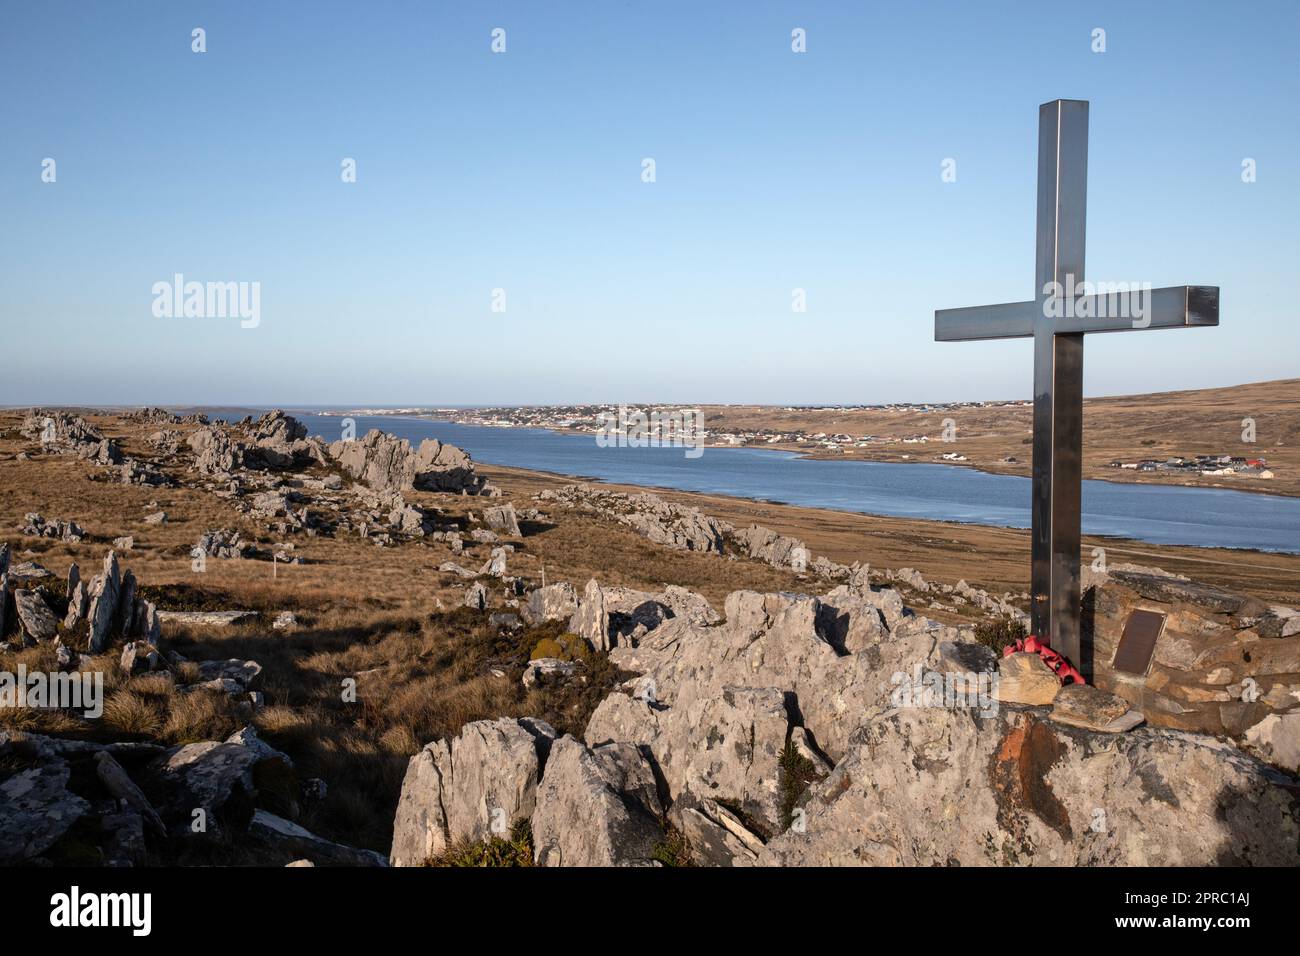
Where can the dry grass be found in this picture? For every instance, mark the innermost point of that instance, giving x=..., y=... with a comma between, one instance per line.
x=373, y=615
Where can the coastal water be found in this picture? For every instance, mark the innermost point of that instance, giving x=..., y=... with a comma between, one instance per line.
x=1156, y=514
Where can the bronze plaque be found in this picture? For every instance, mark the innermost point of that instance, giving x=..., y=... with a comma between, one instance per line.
x=1138, y=642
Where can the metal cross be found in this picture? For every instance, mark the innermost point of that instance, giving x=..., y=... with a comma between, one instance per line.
x=1057, y=319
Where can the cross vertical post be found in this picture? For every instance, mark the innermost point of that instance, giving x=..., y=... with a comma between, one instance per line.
x=1063, y=310
x=1058, y=377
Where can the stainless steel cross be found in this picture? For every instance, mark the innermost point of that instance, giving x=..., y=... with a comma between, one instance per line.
x=1057, y=319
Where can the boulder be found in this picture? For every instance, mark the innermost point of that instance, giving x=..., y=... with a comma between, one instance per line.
x=35, y=615
x=940, y=787
x=288, y=837
x=549, y=670
x=596, y=807
x=140, y=657
x=476, y=785
x=476, y=596
x=36, y=808
x=555, y=602
x=502, y=518
x=204, y=618
x=496, y=564
x=245, y=673
x=386, y=463
x=1277, y=740
x=216, y=777
x=1082, y=705
x=103, y=605
x=1023, y=678
x=78, y=604
x=591, y=621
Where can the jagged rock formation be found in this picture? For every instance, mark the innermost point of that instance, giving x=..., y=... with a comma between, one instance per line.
x=901, y=751
x=689, y=529
x=686, y=529
x=384, y=462
x=939, y=787
x=480, y=783
x=65, y=434
x=275, y=442
x=38, y=526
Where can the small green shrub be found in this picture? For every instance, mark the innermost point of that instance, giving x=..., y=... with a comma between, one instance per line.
x=672, y=850
x=795, y=774
x=517, y=850
x=999, y=633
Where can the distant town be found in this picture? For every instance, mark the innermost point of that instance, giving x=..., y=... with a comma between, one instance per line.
x=1212, y=465
x=592, y=419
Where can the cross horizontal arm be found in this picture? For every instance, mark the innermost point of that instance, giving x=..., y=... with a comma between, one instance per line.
x=1176, y=307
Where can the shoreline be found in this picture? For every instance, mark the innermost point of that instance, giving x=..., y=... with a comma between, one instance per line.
x=990, y=556
x=666, y=491
x=975, y=466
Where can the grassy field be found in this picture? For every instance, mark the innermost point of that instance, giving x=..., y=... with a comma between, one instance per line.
x=389, y=619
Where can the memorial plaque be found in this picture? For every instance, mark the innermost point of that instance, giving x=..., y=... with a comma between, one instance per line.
x=1138, y=642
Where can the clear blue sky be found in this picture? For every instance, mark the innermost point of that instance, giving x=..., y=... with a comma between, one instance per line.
x=522, y=171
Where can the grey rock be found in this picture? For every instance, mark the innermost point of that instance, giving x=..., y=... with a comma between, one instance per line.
x=596, y=807
x=940, y=787
x=476, y=596
x=549, y=670
x=1277, y=739
x=140, y=657
x=289, y=837
x=36, y=810
x=204, y=618
x=124, y=789
x=555, y=602
x=469, y=788
x=502, y=518
x=35, y=615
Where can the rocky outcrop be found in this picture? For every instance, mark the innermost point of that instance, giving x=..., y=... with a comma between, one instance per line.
x=469, y=788
x=36, y=525
x=273, y=442
x=555, y=602
x=384, y=462
x=214, y=452
x=502, y=518
x=223, y=543
x=942, y=787
x=62, y=433
x=778, y=550
x=596, y=807
x=610, y=617
x=675, y=526
x=104, y=592
x=35, y=615
x=218, y=779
